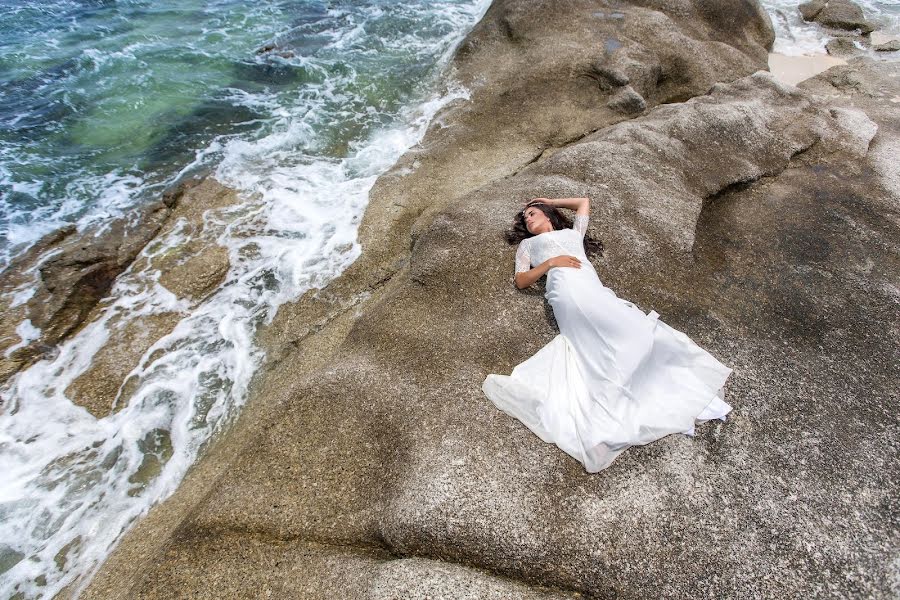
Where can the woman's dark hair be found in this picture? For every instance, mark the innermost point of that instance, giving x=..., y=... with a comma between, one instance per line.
x=519, y=231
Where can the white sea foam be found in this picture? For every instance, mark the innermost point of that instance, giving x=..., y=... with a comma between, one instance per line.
x=74, y=483
x=114, y=193
x=795, y=37
x=27, y=333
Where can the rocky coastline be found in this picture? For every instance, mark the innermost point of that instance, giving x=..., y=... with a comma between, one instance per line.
x=759, y=218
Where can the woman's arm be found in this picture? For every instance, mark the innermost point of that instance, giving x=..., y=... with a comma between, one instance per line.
x=525, y=278
x=581, y=206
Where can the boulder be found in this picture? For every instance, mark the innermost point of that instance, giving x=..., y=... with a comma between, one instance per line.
x=751, y=219
x=809, y=10
x=760, y=219
x=841, y=47
x=889, y=46
x=627, y=101
x=837, y=14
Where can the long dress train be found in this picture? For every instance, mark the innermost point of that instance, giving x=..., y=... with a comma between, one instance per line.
x=614, y=377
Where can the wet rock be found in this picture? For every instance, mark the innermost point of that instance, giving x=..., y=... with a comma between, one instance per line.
x=198, y=265
x=63, y=282
x=97, y=389
x=82, y=270
x=809, y=10
x=276, y=50
x=841, y=47
x=64, y=276
x=275, y=73
x=194, y=272
x=890, y=46
x=191, y=269
x=837, y=14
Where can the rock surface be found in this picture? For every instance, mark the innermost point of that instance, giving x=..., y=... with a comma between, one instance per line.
x=72, y=273
x=191, y=268
x=890, y=46
x=837, y=14
x=760, y=219
x=69, y=273
x=809, y=10
x=841, y=47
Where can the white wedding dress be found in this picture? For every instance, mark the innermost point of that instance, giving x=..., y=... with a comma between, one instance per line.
x=614, y=377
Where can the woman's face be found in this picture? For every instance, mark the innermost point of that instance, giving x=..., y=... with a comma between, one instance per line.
x=535, y=219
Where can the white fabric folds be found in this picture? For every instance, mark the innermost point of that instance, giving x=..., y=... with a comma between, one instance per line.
x=614, y=377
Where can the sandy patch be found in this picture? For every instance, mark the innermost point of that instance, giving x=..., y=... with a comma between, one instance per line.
x=794, y=69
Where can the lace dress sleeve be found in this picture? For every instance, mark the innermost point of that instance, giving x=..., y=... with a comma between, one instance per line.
x=523, y=259
x=580, y=224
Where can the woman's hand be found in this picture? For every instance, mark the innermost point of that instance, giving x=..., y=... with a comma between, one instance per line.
x=581, y=206
x=549, y=201
x=526, y=278
x=564, y=260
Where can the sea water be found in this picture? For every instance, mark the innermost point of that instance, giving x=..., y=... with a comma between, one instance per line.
x=299, y=105
x=795, y=37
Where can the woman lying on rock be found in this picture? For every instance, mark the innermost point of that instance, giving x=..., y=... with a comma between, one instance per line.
x=614, y=376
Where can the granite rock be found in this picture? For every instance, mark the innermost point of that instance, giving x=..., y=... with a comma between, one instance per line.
x=760, y=219
x=837, y=14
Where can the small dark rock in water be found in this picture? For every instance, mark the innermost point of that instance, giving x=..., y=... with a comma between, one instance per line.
x=841, y=47
x=837, y=14
x=627, y=101
x=272, y=48
x=889, y=46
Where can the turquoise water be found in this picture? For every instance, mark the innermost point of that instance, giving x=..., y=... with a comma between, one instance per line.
x=102, y=103
x=299, y=105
